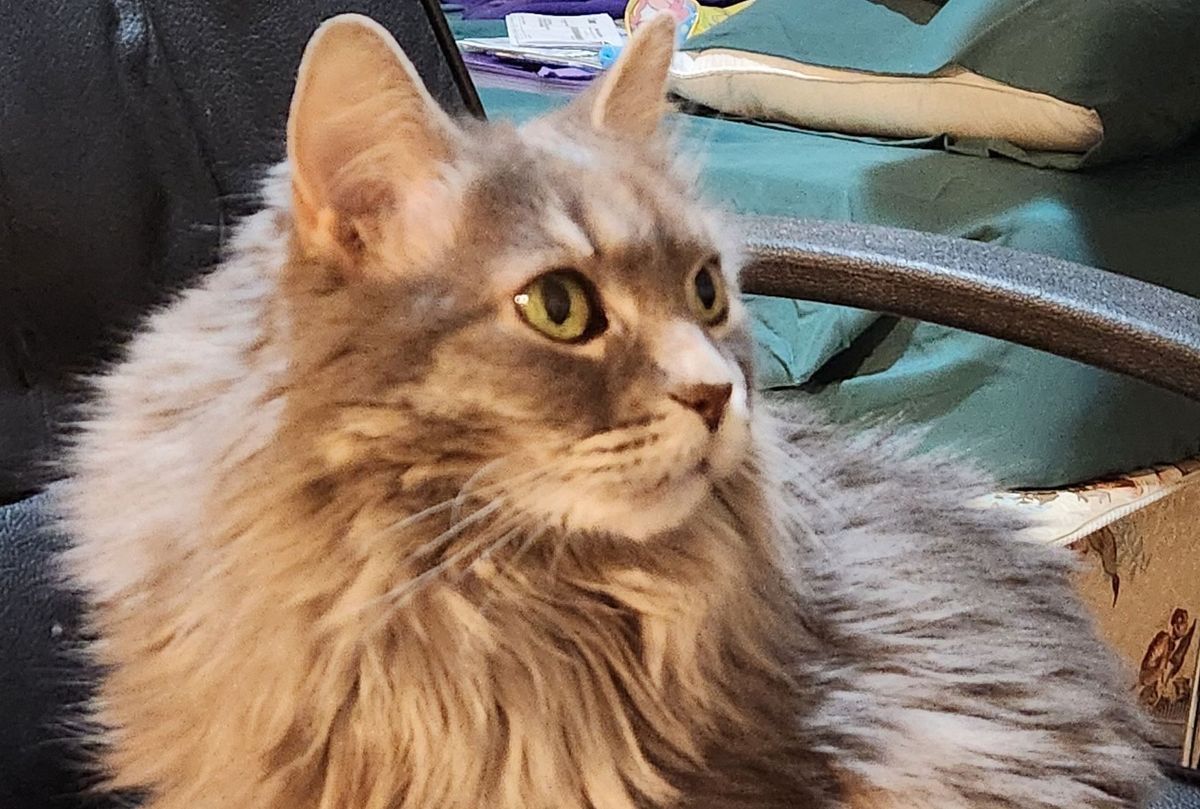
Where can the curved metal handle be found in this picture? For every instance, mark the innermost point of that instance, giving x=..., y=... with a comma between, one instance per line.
x=1083, y=313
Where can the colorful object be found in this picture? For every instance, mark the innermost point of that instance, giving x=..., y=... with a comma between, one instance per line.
x=692, y=17
x=498, y=9
x=608, y=55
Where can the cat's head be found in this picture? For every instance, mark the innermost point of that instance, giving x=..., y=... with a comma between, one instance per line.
x=543, y=313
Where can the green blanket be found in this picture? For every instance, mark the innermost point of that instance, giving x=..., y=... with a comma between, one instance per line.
x=1135, y=63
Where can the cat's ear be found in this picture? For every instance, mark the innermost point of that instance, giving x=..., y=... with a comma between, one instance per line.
x=363, y=134
x=631, y=99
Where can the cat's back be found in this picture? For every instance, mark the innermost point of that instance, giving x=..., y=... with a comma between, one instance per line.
x=190, y=398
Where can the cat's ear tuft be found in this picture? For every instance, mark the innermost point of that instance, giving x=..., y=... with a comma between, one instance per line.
x=632, y=97
x=363, y=132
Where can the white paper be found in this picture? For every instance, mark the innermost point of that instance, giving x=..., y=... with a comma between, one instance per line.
x=503, y=46
x=549, y=31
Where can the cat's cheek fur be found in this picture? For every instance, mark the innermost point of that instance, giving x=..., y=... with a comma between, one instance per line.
x=653, y=487
x=633, y=516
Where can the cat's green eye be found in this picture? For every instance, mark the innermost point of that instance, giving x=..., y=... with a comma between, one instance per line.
x=706, y=295
x=561, y=305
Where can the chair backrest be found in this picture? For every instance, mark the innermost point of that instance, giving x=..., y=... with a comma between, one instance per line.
x=132, y=133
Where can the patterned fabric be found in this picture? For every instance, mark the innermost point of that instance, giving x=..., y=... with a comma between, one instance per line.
x=1140, y=576
x=1069, y=514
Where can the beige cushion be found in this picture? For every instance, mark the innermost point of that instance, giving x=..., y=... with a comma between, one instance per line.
x=955, y=102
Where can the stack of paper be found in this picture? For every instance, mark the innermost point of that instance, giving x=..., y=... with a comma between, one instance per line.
x=592, y=31
x=506, y=48
x=547, y=40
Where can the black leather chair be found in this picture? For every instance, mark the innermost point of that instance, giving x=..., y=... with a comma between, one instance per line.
x=131, y=134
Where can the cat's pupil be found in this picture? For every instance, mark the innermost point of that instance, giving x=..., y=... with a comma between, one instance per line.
x=557, y=300
x=706, y=290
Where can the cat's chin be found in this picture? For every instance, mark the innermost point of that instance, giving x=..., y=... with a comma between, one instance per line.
x=640, y=515
x=656, y=515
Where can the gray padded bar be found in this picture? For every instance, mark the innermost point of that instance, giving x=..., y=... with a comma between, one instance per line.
x=1091, y=315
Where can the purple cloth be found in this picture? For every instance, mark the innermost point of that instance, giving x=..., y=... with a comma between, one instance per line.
x=521, y=76
x=496, y=9
x=572, y=73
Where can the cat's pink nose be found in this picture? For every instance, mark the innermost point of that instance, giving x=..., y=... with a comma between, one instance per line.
x=707, y=400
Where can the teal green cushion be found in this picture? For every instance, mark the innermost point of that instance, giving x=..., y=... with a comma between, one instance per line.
x=1136, y=63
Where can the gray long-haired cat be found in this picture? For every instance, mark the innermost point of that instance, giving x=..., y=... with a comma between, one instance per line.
x=449, y=490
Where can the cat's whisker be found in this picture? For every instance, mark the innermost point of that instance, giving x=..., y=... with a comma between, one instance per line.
x=492, y=538
x=458, y=499
x=396, y=597
x=507, y=571
x=413, y=519
x=529, y=542
x=507, y=531
x=456, y=529
x=496, y=546
x=399, y=596
x=469, y=488
x=561, y=538
x=523, y=480
x=466, y=491
x=439, y=543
